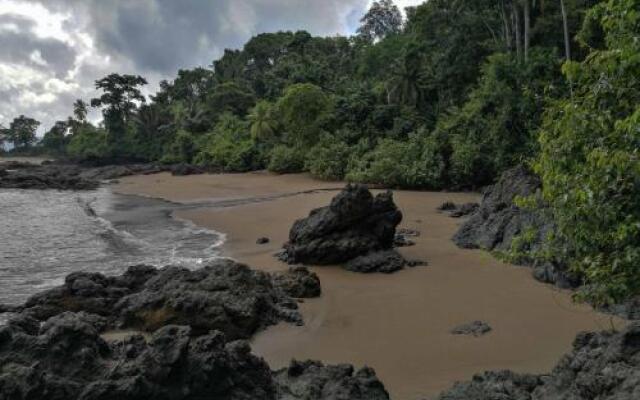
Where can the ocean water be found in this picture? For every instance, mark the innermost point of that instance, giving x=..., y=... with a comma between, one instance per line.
x=45, y=235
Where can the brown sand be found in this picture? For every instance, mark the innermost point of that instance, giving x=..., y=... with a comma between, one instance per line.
x=398, y=324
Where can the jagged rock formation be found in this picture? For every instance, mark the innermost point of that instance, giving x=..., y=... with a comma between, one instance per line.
x=66, y=359
x=385, y=261
x=354, y=224
x=16, y=175
x=312, y=380
x=603, y=366
x=298, y=282
x=498, y=221
x=224, y=296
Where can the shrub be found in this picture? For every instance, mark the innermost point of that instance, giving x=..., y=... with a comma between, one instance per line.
x=89, y=143
x=328, y=159
x=229, y=147
x=285, y=160
x=416, y=163
x=589, y=162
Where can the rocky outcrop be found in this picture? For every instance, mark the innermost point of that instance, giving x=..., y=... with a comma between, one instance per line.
x=65, y=358
x=224, y=296
x=298, y=282
x=385, y=261
x=604, y=366
x=55, y=175
x=44, y=177
x=498, y=221
x=312, y=380
x=354, y=224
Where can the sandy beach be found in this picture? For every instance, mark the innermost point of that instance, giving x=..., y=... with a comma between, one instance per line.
x=398, y=324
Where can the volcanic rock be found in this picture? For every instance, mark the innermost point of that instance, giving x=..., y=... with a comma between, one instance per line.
x=604, y=366
x=66, y=359
x=224, y=296
x=385, y=261
x=354, y=224
x=312, y=380
x=298, y=282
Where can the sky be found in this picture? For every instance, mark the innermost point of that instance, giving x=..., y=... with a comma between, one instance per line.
x=52, y=51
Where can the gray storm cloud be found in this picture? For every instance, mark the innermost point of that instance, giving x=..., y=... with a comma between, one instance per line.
x=41, y=74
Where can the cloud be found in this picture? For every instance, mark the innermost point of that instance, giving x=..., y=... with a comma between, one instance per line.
x=53, y=50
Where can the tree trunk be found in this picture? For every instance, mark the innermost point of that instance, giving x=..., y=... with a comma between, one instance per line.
x=516, y=27
x=567, y=39
x=508, y=38
x=527, y=28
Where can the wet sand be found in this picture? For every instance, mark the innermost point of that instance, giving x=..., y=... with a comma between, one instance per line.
x=398, y=324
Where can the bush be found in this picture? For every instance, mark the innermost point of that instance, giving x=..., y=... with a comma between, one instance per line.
x=589, y=161
x=496, y=128
x=416, y=163
x=229, y=147
x=89, y=143
x=285, y=160
x=328, y=159
x=181, y=150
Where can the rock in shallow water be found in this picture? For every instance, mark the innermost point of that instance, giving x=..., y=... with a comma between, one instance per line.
x=475, y=328
x=354, y=224
x=223, y=295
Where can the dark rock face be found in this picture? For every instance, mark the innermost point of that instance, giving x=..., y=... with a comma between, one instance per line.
x=298, y=282
x=66, y=359
x=354, y=224
x=45, y=177
x=497, y=221
x=385, y=261
x=501, y=385
x=475, y=328
x=464, y=210
x=311, y=380
x=604, y=366
x=224, y=296
x=75, y=177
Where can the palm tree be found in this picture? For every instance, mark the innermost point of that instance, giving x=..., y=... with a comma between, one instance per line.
x=263, y=121
x=406, y=85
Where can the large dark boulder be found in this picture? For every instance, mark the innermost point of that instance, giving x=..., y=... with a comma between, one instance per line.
x=603, y=366
x=498, y=221
x=355, y=223
x=66, y=359
x=312, y=380
x=224, y=295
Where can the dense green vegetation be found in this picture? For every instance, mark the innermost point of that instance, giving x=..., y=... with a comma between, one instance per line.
x=448, y=98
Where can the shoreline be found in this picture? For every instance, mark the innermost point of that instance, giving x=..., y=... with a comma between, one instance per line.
x=398, y=324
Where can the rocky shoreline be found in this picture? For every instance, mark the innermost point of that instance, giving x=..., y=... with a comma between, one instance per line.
x=65, y=176
x=192, y=326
